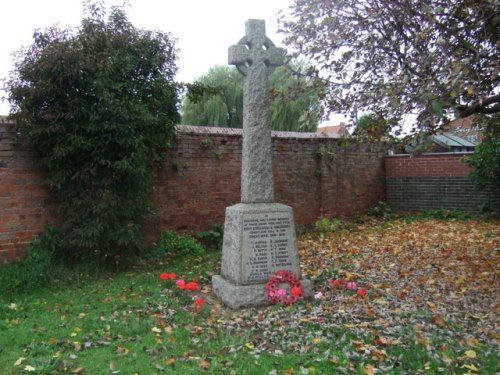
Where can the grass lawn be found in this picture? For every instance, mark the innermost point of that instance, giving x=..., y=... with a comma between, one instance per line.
x=431, y=306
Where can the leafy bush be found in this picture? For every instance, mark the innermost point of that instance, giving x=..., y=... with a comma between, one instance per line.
x=381, y=210
x=97, y=107
x=36, y=269
x=173, y=243
x=486, y=161
x=327, y=224
x=212, y=239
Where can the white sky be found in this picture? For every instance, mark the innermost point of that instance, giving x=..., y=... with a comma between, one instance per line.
x=204, y=28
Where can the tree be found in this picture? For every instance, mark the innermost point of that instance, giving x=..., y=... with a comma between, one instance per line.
x=371, y=126
x=486, y=159
x=437, y=59
x=219, y=101
x=97, y=105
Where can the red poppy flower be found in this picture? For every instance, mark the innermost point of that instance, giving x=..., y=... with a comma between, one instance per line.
x=199, y=303
x=296, y=291
x=167, y=276
x=181, y=284
x=362, y=292
x=191, y=286
x=335, y=282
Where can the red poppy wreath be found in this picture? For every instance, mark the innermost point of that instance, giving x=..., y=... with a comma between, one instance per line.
x=277, y=292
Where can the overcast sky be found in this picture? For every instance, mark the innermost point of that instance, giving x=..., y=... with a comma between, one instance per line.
x=204, y=28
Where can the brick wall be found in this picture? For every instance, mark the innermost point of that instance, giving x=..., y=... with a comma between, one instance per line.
x=200, y=177
x=24, y=207
x=433, y=181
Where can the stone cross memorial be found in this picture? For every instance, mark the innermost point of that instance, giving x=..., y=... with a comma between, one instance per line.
x=259, y=234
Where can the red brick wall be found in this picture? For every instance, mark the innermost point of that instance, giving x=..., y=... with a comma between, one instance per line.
x=24, y=210
x=448, y=165
x=434, y=182
x=201, y=177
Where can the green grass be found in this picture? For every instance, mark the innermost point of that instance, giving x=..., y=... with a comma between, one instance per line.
x=132, y=323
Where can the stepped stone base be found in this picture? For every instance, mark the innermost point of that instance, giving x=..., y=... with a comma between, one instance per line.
x=241, y=296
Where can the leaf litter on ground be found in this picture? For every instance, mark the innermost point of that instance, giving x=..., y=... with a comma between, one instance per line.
x=432, y=283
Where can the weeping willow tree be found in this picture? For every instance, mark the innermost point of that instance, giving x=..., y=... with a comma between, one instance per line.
x=218, y=100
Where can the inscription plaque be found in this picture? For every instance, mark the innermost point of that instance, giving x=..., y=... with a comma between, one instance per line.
x=268, y=240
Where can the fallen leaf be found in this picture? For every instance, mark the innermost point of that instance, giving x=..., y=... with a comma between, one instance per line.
x=369, y=370
x=204, y=364
x=170, y=361
x=121, y=351
x=19, y=361
x=471, y=367
x=470, y=354
x=13, y=306
x=472, y=341
x=379, y=355
x=381, y=341
x=439, y=321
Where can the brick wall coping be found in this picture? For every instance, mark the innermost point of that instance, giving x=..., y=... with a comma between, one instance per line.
x=431, y=154
x=238, y=131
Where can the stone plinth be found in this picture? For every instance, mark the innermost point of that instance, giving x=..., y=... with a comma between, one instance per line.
x=259, y=240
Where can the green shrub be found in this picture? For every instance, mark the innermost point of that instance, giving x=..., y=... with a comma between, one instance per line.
x=327, y=224
x=381, y=210
x=212, y=239
x=97, y=106
x=173, y=243
x=36, y=269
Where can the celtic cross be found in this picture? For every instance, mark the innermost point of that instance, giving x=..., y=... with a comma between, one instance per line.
x=255, y=56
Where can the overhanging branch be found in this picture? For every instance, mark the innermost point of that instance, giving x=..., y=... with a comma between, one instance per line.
x=481, y=106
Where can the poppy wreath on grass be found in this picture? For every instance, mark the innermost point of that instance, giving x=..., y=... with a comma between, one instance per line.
x=276, y=293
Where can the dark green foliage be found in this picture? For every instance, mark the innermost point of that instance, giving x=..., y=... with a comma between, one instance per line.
x=216, y=99
x=173, y=243
x=439, y=215
x=486, y=158
x=381, y=210
x=372, y=126
x=213, y=238
x=98, y=107
x=36, y=269
x=327, y=224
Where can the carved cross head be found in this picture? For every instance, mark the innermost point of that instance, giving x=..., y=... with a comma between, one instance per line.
x=255, y=50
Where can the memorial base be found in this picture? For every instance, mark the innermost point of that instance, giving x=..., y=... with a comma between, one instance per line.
x=241, y=296
x=259, y=240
